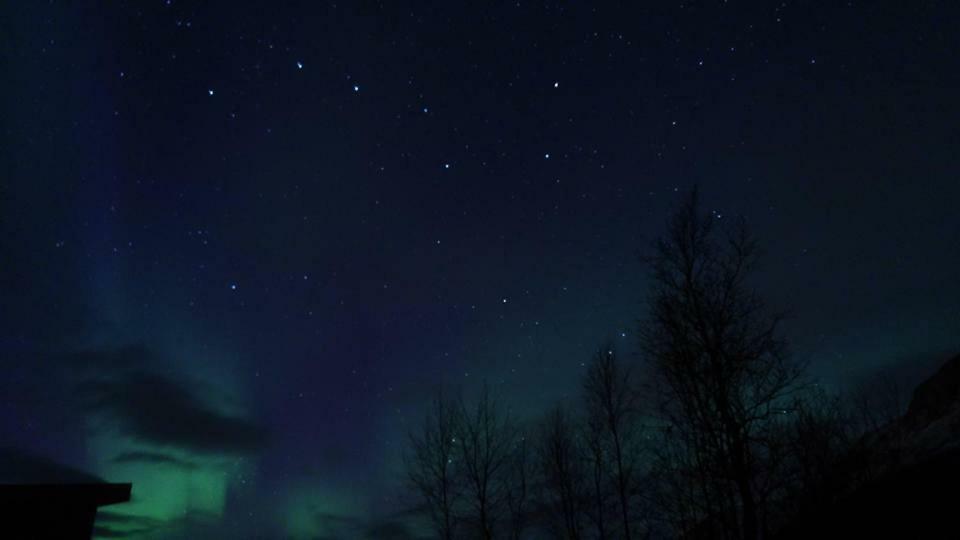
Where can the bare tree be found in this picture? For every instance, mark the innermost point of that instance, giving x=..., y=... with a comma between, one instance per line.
x=719, y=365
x=612, y=408
x=431, y=466
x=878, y=404
x=560, y=458
x=820, y=438
x=485, y=448
x=517, y=485
x=597, y=460
x=878, y=401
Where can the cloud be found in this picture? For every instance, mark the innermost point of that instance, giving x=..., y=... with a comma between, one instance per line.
x=120, y=385
x=116, y=525
x=99, y=531
x=154, y=458
x=22, y=467
x=116, y=519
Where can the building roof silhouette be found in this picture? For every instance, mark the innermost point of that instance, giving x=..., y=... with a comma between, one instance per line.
x=62, y=511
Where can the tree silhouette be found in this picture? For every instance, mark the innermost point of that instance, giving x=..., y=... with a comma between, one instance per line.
x=741, y=447
x=612, y=410
x=598, y=463
x=878, y=402
x=431, y=469
x=486, y=448
x=561, y=460
x=718, y=363
x=517, y=488
x=819, y=439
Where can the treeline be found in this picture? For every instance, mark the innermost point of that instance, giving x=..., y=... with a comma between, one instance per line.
x=712, y=432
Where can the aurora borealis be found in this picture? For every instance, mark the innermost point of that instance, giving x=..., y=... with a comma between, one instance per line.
x=241, y=245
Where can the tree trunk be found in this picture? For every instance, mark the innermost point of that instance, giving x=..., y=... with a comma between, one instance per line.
x=599, y=493
x=750, y=525
x=750, y=522
x=622, y=488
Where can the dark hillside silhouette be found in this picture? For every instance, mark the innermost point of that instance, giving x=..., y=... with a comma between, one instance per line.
x=914, y=502
x=936, y=396
x=909, y=499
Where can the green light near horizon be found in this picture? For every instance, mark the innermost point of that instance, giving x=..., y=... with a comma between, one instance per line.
x=163, y=493
x=320, y=511
x=173, y=486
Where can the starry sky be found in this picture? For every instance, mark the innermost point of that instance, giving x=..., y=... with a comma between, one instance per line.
x=242, y=243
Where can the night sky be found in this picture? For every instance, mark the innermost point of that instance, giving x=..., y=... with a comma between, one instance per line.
x=240, y=246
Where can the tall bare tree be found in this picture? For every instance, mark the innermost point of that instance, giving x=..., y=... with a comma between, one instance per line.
x=432, y=467
x=613, y=410
x=486, y=446
x=517, y=488
x=719, y=364
x=598, y=462
x=560, y=455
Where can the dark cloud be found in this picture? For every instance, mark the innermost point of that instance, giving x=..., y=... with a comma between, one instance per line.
x=116, y=525
x=160, y=410
x=107, y=517
x=155, y=458
x=123, y=385
x=22, y=467
x=105, y=531
x=100, y=531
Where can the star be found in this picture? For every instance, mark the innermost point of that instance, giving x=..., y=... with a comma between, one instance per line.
x=210, y=91
x=299, y=65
